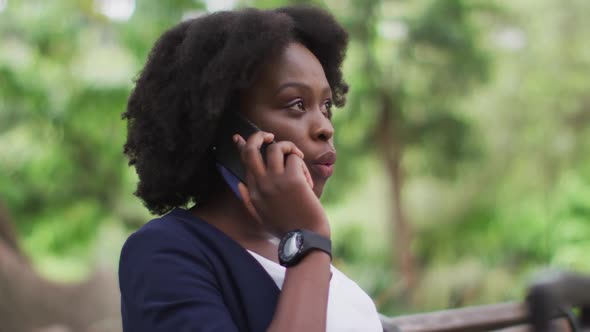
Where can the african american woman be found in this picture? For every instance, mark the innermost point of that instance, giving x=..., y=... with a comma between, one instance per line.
x=258, y=257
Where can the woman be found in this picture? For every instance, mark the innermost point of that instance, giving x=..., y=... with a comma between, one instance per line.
x=216, y=266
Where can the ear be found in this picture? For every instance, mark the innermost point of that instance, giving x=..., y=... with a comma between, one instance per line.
x=248, y=202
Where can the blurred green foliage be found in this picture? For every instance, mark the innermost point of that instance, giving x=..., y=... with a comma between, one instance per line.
x=489, y=100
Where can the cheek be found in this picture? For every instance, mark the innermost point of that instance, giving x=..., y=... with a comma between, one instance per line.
x=300, y=143
x=285, y=130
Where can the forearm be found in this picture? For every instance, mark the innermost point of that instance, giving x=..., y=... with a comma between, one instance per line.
x=303, y=302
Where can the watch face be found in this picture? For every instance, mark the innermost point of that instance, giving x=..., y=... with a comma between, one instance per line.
x=291, y=247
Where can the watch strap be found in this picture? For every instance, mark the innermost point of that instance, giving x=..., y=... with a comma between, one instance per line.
x=307, y=241
x=313, y=241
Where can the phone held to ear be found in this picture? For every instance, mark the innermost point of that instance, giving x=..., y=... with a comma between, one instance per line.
x=227, y=156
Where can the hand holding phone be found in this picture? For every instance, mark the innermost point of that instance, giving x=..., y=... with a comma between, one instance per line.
x=278, y=192
x=227, y=155
x=270, y=177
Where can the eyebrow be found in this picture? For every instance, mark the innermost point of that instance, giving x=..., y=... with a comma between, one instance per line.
x=283, y=86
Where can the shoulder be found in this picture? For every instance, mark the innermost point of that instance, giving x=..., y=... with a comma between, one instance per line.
x=168, y=275
x=178, y=228
x=164, y=259
x=162, y=233
x=180, y=239
x=172, y=241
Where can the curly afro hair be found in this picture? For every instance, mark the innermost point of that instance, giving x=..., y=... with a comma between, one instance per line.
x=193, y=75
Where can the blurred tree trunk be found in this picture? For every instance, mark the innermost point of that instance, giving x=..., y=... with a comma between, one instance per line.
x=391, y=148
x=7, y=232
x=31, y=303
x=388, y=141
x=413, y=84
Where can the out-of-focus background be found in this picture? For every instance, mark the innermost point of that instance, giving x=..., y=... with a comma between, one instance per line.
x=464, y=164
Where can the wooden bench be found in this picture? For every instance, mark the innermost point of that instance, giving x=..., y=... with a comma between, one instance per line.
x=511, y=316
x=548, y=307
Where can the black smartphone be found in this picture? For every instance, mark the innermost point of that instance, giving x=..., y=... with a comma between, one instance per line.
x=226, y=153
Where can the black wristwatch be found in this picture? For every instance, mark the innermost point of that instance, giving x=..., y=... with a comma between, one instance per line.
x=296, y=244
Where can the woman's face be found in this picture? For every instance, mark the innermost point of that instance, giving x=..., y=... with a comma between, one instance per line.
x=291, y=98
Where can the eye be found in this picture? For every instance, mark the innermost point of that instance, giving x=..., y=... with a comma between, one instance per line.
x=328, y=108
x=297, y=105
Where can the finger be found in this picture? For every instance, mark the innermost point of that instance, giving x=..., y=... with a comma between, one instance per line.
x=295, y=167
x=250, y=152
x=246, y=199
x=239, y=141
x=307, y=175
x=276, y=154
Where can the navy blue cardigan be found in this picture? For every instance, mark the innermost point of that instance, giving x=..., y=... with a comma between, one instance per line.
x=178, y=273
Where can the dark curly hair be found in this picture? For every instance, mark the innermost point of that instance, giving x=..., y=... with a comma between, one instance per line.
x=193, y=75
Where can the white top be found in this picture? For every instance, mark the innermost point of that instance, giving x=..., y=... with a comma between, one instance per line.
x=350, y=309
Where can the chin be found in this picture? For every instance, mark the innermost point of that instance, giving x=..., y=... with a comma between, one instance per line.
x=318, y=188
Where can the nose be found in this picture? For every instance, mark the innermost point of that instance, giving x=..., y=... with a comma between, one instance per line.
x=322, y=128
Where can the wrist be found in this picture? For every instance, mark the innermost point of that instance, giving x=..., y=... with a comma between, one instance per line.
x=322, y=229
x=320, y=226
x=297, y=244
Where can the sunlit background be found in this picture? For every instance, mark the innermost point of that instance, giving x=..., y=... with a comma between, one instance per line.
x=464, y=165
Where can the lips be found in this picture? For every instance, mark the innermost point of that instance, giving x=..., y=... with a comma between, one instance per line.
x=323, y=165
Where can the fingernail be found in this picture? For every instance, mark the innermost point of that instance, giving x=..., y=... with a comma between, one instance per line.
x=235, y=138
